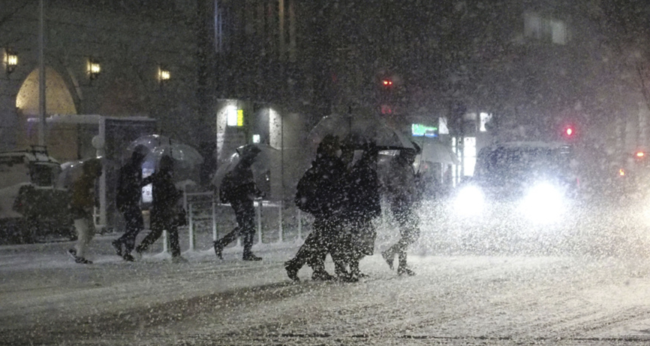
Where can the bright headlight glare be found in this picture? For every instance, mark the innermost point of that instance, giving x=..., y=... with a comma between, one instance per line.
x=470, y=201
x=544, y=202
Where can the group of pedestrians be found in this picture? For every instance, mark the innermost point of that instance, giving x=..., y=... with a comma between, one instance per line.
x=164, y=207
x=341, y=192
x=164, y=210
x=344, y=196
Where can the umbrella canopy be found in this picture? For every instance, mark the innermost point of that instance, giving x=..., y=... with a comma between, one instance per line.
x=265, y=155
x=438, y=152
x=160, y=146
x=358, y=129
x=72, y=170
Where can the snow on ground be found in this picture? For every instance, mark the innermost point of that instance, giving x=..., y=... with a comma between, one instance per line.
x=592, y=294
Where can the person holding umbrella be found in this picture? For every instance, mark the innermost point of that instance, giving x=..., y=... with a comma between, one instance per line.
x=321, y=192
x=239, y=189
x=164, y=212
x=129, y=193
x=362, y=186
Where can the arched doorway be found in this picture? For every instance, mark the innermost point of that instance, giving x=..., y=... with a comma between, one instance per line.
x=62, y=140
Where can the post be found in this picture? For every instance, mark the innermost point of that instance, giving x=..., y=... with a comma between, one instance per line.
x=214, y=218
x=103, y=205
x=165, y=241
x=281, y=230
x=259, y=221
x=191, y=227
x=41, y=75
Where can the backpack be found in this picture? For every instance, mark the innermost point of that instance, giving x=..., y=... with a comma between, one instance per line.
x=306, y=192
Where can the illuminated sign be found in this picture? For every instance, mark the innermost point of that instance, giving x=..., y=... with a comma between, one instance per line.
x=235, y=117
x=240, y=117
x=419, y=130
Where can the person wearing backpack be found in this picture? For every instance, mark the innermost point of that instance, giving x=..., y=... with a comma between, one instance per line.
x=320, y=192
x=238, y=188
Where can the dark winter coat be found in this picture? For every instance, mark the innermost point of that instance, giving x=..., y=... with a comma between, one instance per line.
x=165, y=195
x=83, y=189
x=321, y=190
x=362, y=189
x=239, y=185
x=129, y=186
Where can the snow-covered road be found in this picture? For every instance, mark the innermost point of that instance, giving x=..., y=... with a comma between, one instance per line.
x=456, y=299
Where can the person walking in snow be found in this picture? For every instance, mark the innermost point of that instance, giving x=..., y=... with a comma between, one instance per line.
x=403, y=195
x=357, y=239
x=238, y=188
x=81, y=205
x=129, y=193
x=164, y=209
x=320, y=192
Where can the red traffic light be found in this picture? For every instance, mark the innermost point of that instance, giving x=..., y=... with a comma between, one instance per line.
x=569, y=132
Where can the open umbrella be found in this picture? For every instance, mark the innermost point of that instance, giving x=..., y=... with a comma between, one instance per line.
x=159, y=146
x=72, y=170
x=358, y=129
x=264, y=157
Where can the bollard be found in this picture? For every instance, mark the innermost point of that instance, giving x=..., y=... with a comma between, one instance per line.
x=258, y=213
x=190, y=224
x=281, y=238
x=165, y=242
x=214, y=220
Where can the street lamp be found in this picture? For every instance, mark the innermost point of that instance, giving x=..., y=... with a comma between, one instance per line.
x=11, y=61
x=94, y=69
x=163, y=75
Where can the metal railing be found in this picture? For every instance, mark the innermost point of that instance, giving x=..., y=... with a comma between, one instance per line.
x=206, y=213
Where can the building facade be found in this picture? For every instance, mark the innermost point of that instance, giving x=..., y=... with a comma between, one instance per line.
x=110, y=57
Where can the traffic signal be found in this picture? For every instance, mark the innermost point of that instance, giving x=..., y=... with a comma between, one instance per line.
x=569, y=132
x=386, y=96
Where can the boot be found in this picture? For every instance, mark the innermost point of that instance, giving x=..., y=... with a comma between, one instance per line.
x=292, y=271
x=355, y=272
x=321, y=275
x=405, y=271
x=389, y=257
x=117, y=245
x=251, y=257
x=248, y=248
x=218, y=249
x=403, y=268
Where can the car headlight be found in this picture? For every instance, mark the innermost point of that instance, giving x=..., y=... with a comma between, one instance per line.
x=544, y=202
x=469, y=201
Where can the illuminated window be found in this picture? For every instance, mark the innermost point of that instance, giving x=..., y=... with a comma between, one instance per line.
x=544, y=28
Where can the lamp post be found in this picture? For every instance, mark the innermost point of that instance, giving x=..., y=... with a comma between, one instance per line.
x=41, y=75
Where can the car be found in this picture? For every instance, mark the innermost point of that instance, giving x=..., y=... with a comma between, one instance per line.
x=529, y=182
x=32, y=206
